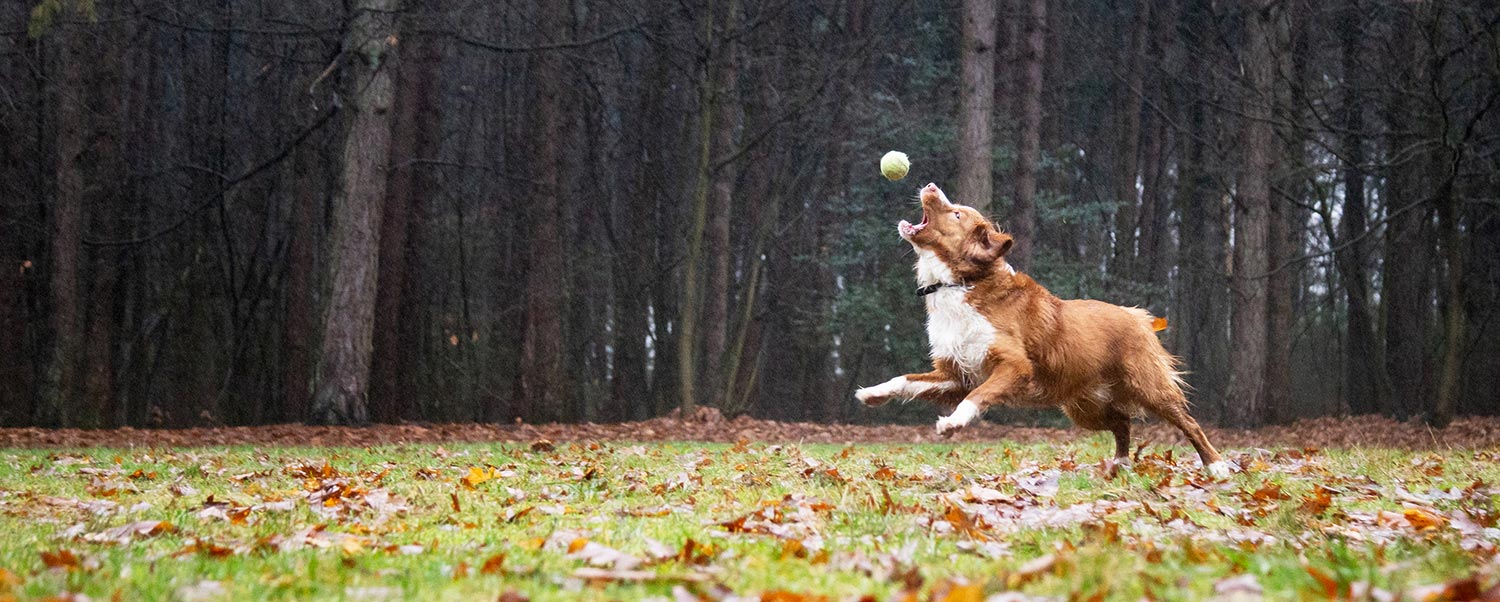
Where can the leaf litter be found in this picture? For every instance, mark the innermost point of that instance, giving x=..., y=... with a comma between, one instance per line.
x=946, y=522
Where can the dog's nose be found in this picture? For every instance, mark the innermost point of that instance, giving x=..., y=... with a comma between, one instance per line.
x=931, y=187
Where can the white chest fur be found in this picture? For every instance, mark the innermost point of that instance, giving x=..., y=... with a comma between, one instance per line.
x=955, y=330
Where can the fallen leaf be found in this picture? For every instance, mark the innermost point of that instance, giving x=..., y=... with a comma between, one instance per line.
x=477, y=476
x=126, y=533
x=958, y=592
x=494, y=566
x=1327, y=582
x=1423, y=519
x=61, y=559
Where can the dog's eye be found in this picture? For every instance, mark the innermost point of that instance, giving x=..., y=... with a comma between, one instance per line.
x=958, y=215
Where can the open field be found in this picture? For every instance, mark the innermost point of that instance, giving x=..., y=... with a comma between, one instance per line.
x=622, y=520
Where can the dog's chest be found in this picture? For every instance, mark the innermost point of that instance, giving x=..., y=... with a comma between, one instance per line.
x=956, y=331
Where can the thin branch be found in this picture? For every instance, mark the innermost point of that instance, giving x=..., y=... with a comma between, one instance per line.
x=218, y=195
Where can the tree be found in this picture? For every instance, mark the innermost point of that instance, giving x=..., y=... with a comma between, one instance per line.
x=541, y=381
x=974, y=184
x=1363, y=369
x=69, y=57
x=1127, y=151
x=1406, y=296
x=341, y=395
x=1248, y=331
x=727, y=119
x=1028, y=159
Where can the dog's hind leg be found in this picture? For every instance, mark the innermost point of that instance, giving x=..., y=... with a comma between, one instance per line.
x=1177, y=415
x=1102, y=418
x=1120, y=425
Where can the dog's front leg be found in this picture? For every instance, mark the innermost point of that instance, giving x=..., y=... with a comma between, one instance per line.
x=1011, y=369
x=910, y=386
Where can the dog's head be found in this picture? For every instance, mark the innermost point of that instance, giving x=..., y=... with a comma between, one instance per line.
x=966, y=243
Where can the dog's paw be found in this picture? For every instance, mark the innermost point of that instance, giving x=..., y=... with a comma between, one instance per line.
x=871, y=396
x=961, y=417
x=947, y=425
x=1218, y=470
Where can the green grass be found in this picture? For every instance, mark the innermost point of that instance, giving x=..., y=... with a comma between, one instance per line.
x=1160, y=530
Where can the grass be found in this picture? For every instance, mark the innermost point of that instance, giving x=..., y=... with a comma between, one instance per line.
x=469, y=521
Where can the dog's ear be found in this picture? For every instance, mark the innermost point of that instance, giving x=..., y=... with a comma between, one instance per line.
x=986, y=245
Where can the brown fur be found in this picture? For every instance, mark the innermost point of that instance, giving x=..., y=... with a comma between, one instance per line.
x=1099, y=363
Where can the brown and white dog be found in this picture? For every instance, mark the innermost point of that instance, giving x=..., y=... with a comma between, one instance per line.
x=999, y=338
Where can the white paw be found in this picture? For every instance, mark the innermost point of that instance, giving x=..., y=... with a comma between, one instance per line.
x=947, y=425
x=870, y=396
x=1218, y=470
x=961, y=416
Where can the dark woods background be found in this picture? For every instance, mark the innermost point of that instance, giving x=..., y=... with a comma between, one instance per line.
x=225, y=212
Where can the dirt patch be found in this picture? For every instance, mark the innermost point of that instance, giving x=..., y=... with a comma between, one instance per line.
x=1365, y=431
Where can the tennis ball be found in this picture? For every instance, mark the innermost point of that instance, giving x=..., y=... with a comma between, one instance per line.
x=894, y=165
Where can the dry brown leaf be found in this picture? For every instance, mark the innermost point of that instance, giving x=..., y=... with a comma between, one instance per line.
x=127, y=533
x=61, y=559
x=1327, y=582
x=786, y=596
x=1318, y=503
x=494, y=566
x=1423, y=519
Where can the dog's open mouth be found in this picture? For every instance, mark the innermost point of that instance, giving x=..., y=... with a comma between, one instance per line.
x=908, y=230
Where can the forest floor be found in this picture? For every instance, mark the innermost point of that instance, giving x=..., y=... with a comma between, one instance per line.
x=708, y=426
x=565, y=513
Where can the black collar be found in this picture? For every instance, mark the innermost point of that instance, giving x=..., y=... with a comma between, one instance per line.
x=933, y=288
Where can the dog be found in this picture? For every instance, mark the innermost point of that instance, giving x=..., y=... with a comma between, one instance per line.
x=999, y=338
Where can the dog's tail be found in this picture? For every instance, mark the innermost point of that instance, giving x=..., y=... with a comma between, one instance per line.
x=1166, y=363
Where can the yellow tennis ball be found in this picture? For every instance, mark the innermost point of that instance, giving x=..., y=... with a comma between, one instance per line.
x=895, y=165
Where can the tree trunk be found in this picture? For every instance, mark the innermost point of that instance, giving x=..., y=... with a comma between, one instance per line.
x=349, y=322
x=1247, y=351
x=416, y=128
x=1443, y=164
x=1406, y=302
x=1028, y=160
x=1455, y=320
x=1127, y=148
x=1286, y=216
x=61, y=385
x=1201, y=336
x=1363, y=367
x=974, y=185
x=688, y=343
x=300, y=321
x=1155, y=260
x=541, y=383
x=727, y=118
